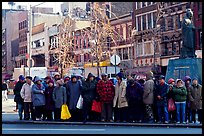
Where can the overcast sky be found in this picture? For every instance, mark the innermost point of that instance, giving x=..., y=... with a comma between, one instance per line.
x=55, y=5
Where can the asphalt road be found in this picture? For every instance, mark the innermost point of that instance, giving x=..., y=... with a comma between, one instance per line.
x=83, y=129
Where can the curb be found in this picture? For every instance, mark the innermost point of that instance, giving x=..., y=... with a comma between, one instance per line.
x=105, y=124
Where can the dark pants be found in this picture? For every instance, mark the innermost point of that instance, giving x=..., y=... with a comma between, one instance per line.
x=172, y=116
x=28, y=108
x=86, y=109
x=163, y=113
x=57, y=114
x=188, y=116
x=76, y=115
x=120, y=114
x=39, y=111
x=48, y=114
x=199, y=112
x=136, y=110
x=106, y=111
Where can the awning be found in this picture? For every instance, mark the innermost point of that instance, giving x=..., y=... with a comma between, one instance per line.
x=101, y=64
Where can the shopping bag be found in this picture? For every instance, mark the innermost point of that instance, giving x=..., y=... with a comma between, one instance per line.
x=96, y=106
x=65, y=114
x=80, y=103
x=171, y=105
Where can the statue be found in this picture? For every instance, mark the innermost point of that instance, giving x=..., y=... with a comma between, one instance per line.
x=188, y=36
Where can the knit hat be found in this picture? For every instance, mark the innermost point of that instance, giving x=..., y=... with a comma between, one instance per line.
x=47, y=77
x=56, y=74
x=120, y=75
x=37, y=79
x=103, y=74
x=21, y=77
x=29, y=77
x=162, y=77
x=90, y=75
x=178, y=80
x=171, y=80
x=186, y=78
x=195, y=79
x=149, y=74
x=73, y=76
x=131, y=81
x=51, y=81
x=60, y=82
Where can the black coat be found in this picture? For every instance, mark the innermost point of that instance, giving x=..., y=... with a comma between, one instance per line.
x=89, y=90
x=17, y=91
x=49, y=102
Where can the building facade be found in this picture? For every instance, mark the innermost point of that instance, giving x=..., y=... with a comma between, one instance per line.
x=157, y=39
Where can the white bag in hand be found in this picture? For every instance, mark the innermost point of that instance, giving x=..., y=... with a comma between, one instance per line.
x=80, y=103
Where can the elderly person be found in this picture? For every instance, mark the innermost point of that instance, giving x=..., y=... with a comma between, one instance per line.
x=60, y=98
x=38, y=98
x=195, y=98
x=161, y=97
x=88, y=94
x=26, y=91
x=180, y=94
x=134, y=94
x=105, y=90
x=18, y=99
x=120, y=103
x=148, y=96
x=73, y=89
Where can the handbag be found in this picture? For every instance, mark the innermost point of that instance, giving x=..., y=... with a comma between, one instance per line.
x=79, y=103
x=65, y=114
x=96, y=106
x=171, y=105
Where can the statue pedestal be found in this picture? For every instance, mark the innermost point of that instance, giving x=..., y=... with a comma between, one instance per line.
x=179, y=68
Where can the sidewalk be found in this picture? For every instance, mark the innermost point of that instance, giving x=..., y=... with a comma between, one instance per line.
x=11, y=117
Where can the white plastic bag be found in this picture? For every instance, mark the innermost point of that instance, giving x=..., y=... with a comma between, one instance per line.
x=80, y=103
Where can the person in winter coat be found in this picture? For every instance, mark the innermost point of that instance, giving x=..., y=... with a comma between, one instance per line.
x=170, y=95
x=38, y=98
x=88, y=94
x=120, y=103
x=148, y=96
x=195, y=98
x=74, y=91
x=188, y=118
x=134, y=94
x=60, y=98
x=18, y=99
x=161, y=94
x=45, y=82
x=49, y=102
x=105, y=90
x=26, y=92
x=180, y=94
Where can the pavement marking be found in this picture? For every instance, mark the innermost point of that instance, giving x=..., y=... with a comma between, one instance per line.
x=22, y=129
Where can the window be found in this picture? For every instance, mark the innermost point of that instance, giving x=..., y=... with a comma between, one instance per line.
x=129, y=31
x=144, y=22
x=148, y=48
x=124, y=33
x=85, y=43
x=143, y=4
x=149, y=21
x=154, y=19
x=148, y=3
x=125, y=53
x=138, y=5
x=80, y=42
x=119, y=52
x=170, y=23
x=139, y=23
x=139, y=49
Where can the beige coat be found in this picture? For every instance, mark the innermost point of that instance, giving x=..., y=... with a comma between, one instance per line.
x=195, y=97
x=120, y=91
x=148, y=96
x=26, y=92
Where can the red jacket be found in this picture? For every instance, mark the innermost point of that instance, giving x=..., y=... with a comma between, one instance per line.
x=106, y=91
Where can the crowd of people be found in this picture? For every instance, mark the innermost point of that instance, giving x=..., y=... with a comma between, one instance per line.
x=127, y=100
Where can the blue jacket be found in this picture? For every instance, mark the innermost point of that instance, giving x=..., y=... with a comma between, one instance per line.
x=162, y=91
x=37, y=97
x=134, y=93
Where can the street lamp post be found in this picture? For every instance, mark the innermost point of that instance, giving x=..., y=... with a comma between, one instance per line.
x=30, y=38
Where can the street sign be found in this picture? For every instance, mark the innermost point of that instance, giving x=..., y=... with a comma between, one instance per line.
x=115, y=59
